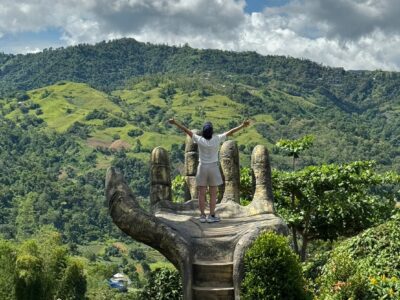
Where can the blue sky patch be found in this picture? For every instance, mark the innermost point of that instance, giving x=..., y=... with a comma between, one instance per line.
x=259, y=5
x=28, y=41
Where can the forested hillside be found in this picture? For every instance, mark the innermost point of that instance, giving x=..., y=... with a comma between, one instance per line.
x=68, y=114
x=58, y=136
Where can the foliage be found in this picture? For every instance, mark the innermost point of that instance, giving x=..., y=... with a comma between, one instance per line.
x=272, y=270
x=7, y=270
x=114, y=122
x=40, y=268
x=40, y=185
x=136, y=172
x=79, y=129
x=334, y=200
x=135, y=132
x=246, y=185
x=365, y=266
x=178, y=189
x=73, y=283
x=163, y=284
x=137, y=254
x=100, y=114
x=294, y=147
x=53, y=170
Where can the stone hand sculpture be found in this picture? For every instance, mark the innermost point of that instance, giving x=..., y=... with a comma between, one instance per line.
x=208, y=256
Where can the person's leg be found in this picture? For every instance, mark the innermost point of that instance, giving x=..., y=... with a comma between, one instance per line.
x=202, y=199
x=213, y=199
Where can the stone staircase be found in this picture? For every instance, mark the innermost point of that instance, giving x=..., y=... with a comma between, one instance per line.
x=213, y=280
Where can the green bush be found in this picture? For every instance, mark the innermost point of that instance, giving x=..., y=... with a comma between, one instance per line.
x=178, y=189
x=272, y=270
x=364, y=267
x=246, y=185
x=100, y=114
x=163, y=284
x=73, y=282
x=135, y=132
x=114, y=122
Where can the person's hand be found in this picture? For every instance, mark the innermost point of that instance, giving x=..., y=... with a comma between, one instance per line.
x=172, y=121
x=246, y=123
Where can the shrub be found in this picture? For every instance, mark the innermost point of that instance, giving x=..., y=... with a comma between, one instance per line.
x=114, y=122
x=178, y=189
x=73, y=282
x=272, y=270
x=135, y=132
x=246, y=184
x=100, y=114
x=22, y=96
x=79, y=129
x=163, y=283
x=365, y=266
x=137, y=254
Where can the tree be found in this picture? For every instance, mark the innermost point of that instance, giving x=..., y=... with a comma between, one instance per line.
x=73, y=283
x=293, y=148
x=29, y=284
x=7, y=270
x=334, y=200
x=26, y=218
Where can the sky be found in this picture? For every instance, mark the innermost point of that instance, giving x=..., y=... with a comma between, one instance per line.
x=353, y=34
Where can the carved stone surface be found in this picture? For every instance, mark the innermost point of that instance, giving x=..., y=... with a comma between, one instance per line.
x=229, y=158
x=160, y=176
x=208, y=256
x=191, y=188
x=191, y=163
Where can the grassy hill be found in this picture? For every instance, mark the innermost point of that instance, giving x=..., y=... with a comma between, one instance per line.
x=66, y=113
x=137, y=108
x=60, y=131
x=135, y=117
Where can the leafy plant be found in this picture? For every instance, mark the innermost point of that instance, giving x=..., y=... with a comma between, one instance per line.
x=293, y=148
x=246, y=185
x=163, y=284
x=334, y=200
x=178, y=189
x=272, y=270
x=365, y=266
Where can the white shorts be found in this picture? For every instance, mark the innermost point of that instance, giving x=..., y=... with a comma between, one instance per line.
x=208, y=175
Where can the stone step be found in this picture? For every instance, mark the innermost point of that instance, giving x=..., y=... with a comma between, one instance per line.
x=217, y=248
x=212, y=274
x=213, y=293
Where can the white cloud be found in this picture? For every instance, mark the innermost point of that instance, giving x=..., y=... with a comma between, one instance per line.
x=355, y=34
x=267, y=34
x=30, y=50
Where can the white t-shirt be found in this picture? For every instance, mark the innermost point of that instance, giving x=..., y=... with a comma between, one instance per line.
x=208, y=149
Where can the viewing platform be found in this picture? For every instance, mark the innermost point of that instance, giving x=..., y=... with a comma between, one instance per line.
x=209, y=256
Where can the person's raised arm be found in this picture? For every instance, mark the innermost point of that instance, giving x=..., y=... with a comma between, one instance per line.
x=233, y=130
x=180, y=126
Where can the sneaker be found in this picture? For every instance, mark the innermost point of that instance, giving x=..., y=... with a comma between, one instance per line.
x=212, y=219
x=203, y=219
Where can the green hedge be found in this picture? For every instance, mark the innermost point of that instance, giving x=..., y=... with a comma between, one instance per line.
x=272, y=270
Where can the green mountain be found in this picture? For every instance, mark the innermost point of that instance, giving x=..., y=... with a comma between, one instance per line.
x=67, y=114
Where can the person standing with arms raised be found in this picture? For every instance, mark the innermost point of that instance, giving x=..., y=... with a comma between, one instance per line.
x=208, y=172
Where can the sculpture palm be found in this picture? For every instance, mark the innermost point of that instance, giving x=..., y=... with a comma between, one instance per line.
x=208, y=256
